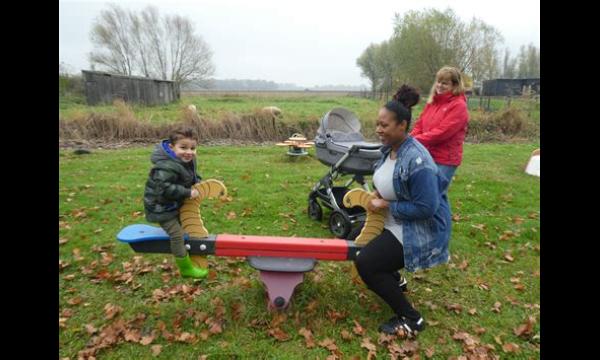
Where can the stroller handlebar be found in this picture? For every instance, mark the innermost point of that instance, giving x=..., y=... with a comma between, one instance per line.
x=355, y=148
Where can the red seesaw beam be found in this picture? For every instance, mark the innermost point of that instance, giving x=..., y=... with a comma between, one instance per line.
x=278, y=246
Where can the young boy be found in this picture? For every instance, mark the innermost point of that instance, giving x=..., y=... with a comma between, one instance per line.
x=169, y=183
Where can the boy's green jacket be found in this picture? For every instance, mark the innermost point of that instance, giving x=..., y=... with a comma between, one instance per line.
x=169, y=184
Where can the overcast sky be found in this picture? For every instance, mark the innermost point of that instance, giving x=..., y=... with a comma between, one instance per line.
x=306, y=42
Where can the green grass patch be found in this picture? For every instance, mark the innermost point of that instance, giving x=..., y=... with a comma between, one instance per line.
x=494, y=246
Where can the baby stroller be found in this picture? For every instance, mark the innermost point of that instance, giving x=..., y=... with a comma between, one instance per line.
x=340, y=144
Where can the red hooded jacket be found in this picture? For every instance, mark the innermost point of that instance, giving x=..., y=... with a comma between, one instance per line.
x=442, y=126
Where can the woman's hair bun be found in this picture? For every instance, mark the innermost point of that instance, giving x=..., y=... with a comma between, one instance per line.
x=407, y=96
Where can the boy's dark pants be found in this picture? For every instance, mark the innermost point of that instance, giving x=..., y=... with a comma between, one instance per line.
x=175, y=231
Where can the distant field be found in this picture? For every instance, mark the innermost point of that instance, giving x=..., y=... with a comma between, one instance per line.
x=295, y=106
x=302, y=108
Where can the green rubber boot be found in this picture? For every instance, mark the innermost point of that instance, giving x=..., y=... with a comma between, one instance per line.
x=187, y=268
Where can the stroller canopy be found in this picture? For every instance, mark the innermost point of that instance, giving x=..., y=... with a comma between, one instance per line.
x=341, y=124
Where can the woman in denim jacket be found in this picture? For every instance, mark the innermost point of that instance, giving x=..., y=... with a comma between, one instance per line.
x=409, y=189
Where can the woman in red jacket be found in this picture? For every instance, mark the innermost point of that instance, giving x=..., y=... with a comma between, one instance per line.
x=442, y=126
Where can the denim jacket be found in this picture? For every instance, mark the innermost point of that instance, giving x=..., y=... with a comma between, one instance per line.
x=421, y=207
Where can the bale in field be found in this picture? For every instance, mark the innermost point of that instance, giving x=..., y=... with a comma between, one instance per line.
x=272, y=110
x=192, y=108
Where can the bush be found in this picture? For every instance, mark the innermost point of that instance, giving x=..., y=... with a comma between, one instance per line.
x=70, y=85
x=123, y=125
x=503, y=125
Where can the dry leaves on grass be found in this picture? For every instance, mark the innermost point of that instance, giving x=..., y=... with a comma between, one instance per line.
x=526, y=329
x=457, y=308
x=156, y=349
x=372, y=348
x=346, y=335
x=496, y=307
x=511, y=348
x=330, y=345
x=308, y=337
x=111, y=310
x=358, y=329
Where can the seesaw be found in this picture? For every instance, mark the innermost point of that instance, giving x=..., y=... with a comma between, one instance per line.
x=281, y=261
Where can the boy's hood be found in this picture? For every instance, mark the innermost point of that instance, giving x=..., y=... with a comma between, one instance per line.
x=163, y=152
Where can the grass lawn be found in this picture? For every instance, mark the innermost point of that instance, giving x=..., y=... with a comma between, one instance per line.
x=484, y=296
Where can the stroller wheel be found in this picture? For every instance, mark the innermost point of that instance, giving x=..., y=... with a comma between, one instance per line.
x=339, y=224
x=315, y=211
x=353, y=234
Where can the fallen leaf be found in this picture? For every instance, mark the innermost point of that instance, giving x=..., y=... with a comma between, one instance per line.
x=472, y=311
x=62, y=241
x=74, y=301
x=518, y=220
x=215, y=328
x=132, y=335
x=91, y=329
x=480, y=330
x=526, y=328
x=231, y=215
x=77, y=255
x=97, y=231
x=62, y=264
x=463, y=265
x=496, y=307
x=146, y=340
x=385, y=339
x=510, y=347
x=185, y=337
x=520, y=287
x=480, y=227
x=346, y=335
x=237, y=309
x=507, y=234
x=279, y=334
x=457, y=308
x=367, y=344
x=308, y=337
x=328, y=344
x=62, y=322
x=357, y=329
x=156, y=349
x=112, y=310
x=508, y=257
x=429, y=352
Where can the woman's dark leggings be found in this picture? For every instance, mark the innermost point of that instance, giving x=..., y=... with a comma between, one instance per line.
x=376, y=264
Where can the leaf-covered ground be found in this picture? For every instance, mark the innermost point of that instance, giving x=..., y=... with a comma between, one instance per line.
x=116, y=304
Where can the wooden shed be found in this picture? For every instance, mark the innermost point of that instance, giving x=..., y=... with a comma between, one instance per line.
x=511, y=87
x=103, y=88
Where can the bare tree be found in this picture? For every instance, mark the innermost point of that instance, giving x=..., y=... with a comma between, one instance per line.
x=111, y=35
x=189, y=54
x=150, y=45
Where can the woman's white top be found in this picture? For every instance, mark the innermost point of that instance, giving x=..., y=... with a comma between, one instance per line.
x=383, y=180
